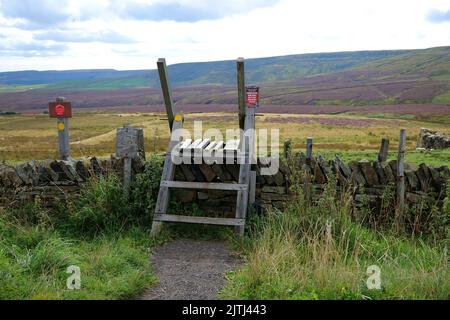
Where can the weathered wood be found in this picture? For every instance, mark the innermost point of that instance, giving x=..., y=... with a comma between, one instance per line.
x=244, y=171
x=241, y=91
x=384, y=149
x=308, y=171
x=63, y=134
x=252, y=188
x=401, y=175
x=167, y=92
x=204, y=185
x=199, y=220
x=167, y=175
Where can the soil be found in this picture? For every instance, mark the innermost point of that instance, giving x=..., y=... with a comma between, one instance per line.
x=191, y=270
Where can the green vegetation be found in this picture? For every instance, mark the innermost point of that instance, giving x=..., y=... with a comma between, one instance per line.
x=261, y=70
x=435, y=158
x=102, y=233
x=323, y=251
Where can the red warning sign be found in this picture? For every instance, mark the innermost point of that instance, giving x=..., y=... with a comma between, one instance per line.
x=60, y=109
x=252, y=97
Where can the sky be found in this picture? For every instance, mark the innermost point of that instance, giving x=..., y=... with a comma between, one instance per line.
x=133, y=34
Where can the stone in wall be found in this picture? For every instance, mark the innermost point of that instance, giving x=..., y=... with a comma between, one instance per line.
x=429, y=139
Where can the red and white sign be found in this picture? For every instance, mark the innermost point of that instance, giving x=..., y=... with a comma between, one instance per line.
x=59, y=110
x=252, y=96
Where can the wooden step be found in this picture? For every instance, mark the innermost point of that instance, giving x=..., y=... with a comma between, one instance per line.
x=199, y=220
x=204, y=185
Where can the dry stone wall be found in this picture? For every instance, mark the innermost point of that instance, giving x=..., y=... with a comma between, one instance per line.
x=429, y=139
x=54, y=180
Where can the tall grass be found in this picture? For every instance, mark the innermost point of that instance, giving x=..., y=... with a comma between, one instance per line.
x=318, y=251
x=102, y=232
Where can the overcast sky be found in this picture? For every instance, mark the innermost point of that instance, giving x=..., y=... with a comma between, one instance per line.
x=132, y=34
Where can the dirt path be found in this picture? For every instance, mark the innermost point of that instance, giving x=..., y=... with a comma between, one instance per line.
x=190, y=270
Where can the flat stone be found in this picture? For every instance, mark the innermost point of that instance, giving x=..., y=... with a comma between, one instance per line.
x=279, y=179
x=221, y=172
x=277, y=190
x=388, y=173
x=380, y=173
x=357, y=175
x=28, y=173
x=369, y=173
x=412, y=180
x=187, y=172
x=208, y=172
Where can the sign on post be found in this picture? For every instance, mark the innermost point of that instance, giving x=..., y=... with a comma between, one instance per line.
x=252, y=97
x=62, y=111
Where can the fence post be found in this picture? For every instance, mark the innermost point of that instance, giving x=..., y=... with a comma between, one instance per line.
x=401, y=175
x=241, y=91
x=62, y=111
x=384, y=149
x=307, y=178
x=167, y=92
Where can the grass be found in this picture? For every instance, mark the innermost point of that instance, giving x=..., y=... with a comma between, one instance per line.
x=102, y=233
x=26, y=137
x=321, y=251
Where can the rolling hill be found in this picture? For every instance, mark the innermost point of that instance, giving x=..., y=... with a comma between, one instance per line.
x=343, y=78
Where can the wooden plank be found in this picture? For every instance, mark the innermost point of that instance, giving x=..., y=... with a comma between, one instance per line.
x=218, y=153
x=185, y=143
x=244, y=173
x=194, y=144
x=208, y=153
x=204, y=185
x=232, y=145
x=252, y=188
x=167, y=175
x=241, y=91
x=167, y=92
x=199, y=220
x=211, y=146
x=202, y=145
x=219, y=145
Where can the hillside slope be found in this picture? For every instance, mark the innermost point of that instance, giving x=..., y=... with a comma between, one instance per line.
x=349, y=78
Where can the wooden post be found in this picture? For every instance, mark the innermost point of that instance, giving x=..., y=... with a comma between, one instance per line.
x=307, y=178
x=401, y=175
x=167, y=92
x=63, y=134
x=252, y=189
x=384, y=149
x=241, y=91
x=167, y=175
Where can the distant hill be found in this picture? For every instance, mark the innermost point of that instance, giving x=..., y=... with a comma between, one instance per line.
x=354, y=78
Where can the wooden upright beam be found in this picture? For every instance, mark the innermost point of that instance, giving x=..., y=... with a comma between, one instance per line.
x=401, y=176
x=241, y=91
x=167, y=92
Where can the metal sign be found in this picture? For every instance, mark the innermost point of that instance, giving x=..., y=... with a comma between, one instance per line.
x=252, y=97
x=60, y=109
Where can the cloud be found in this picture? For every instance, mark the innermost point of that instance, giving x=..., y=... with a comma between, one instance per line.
x=190, y=11
x=56, y=12
x=31, y=49
x=437, y=16
x=45, y=12
x=86, y=37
